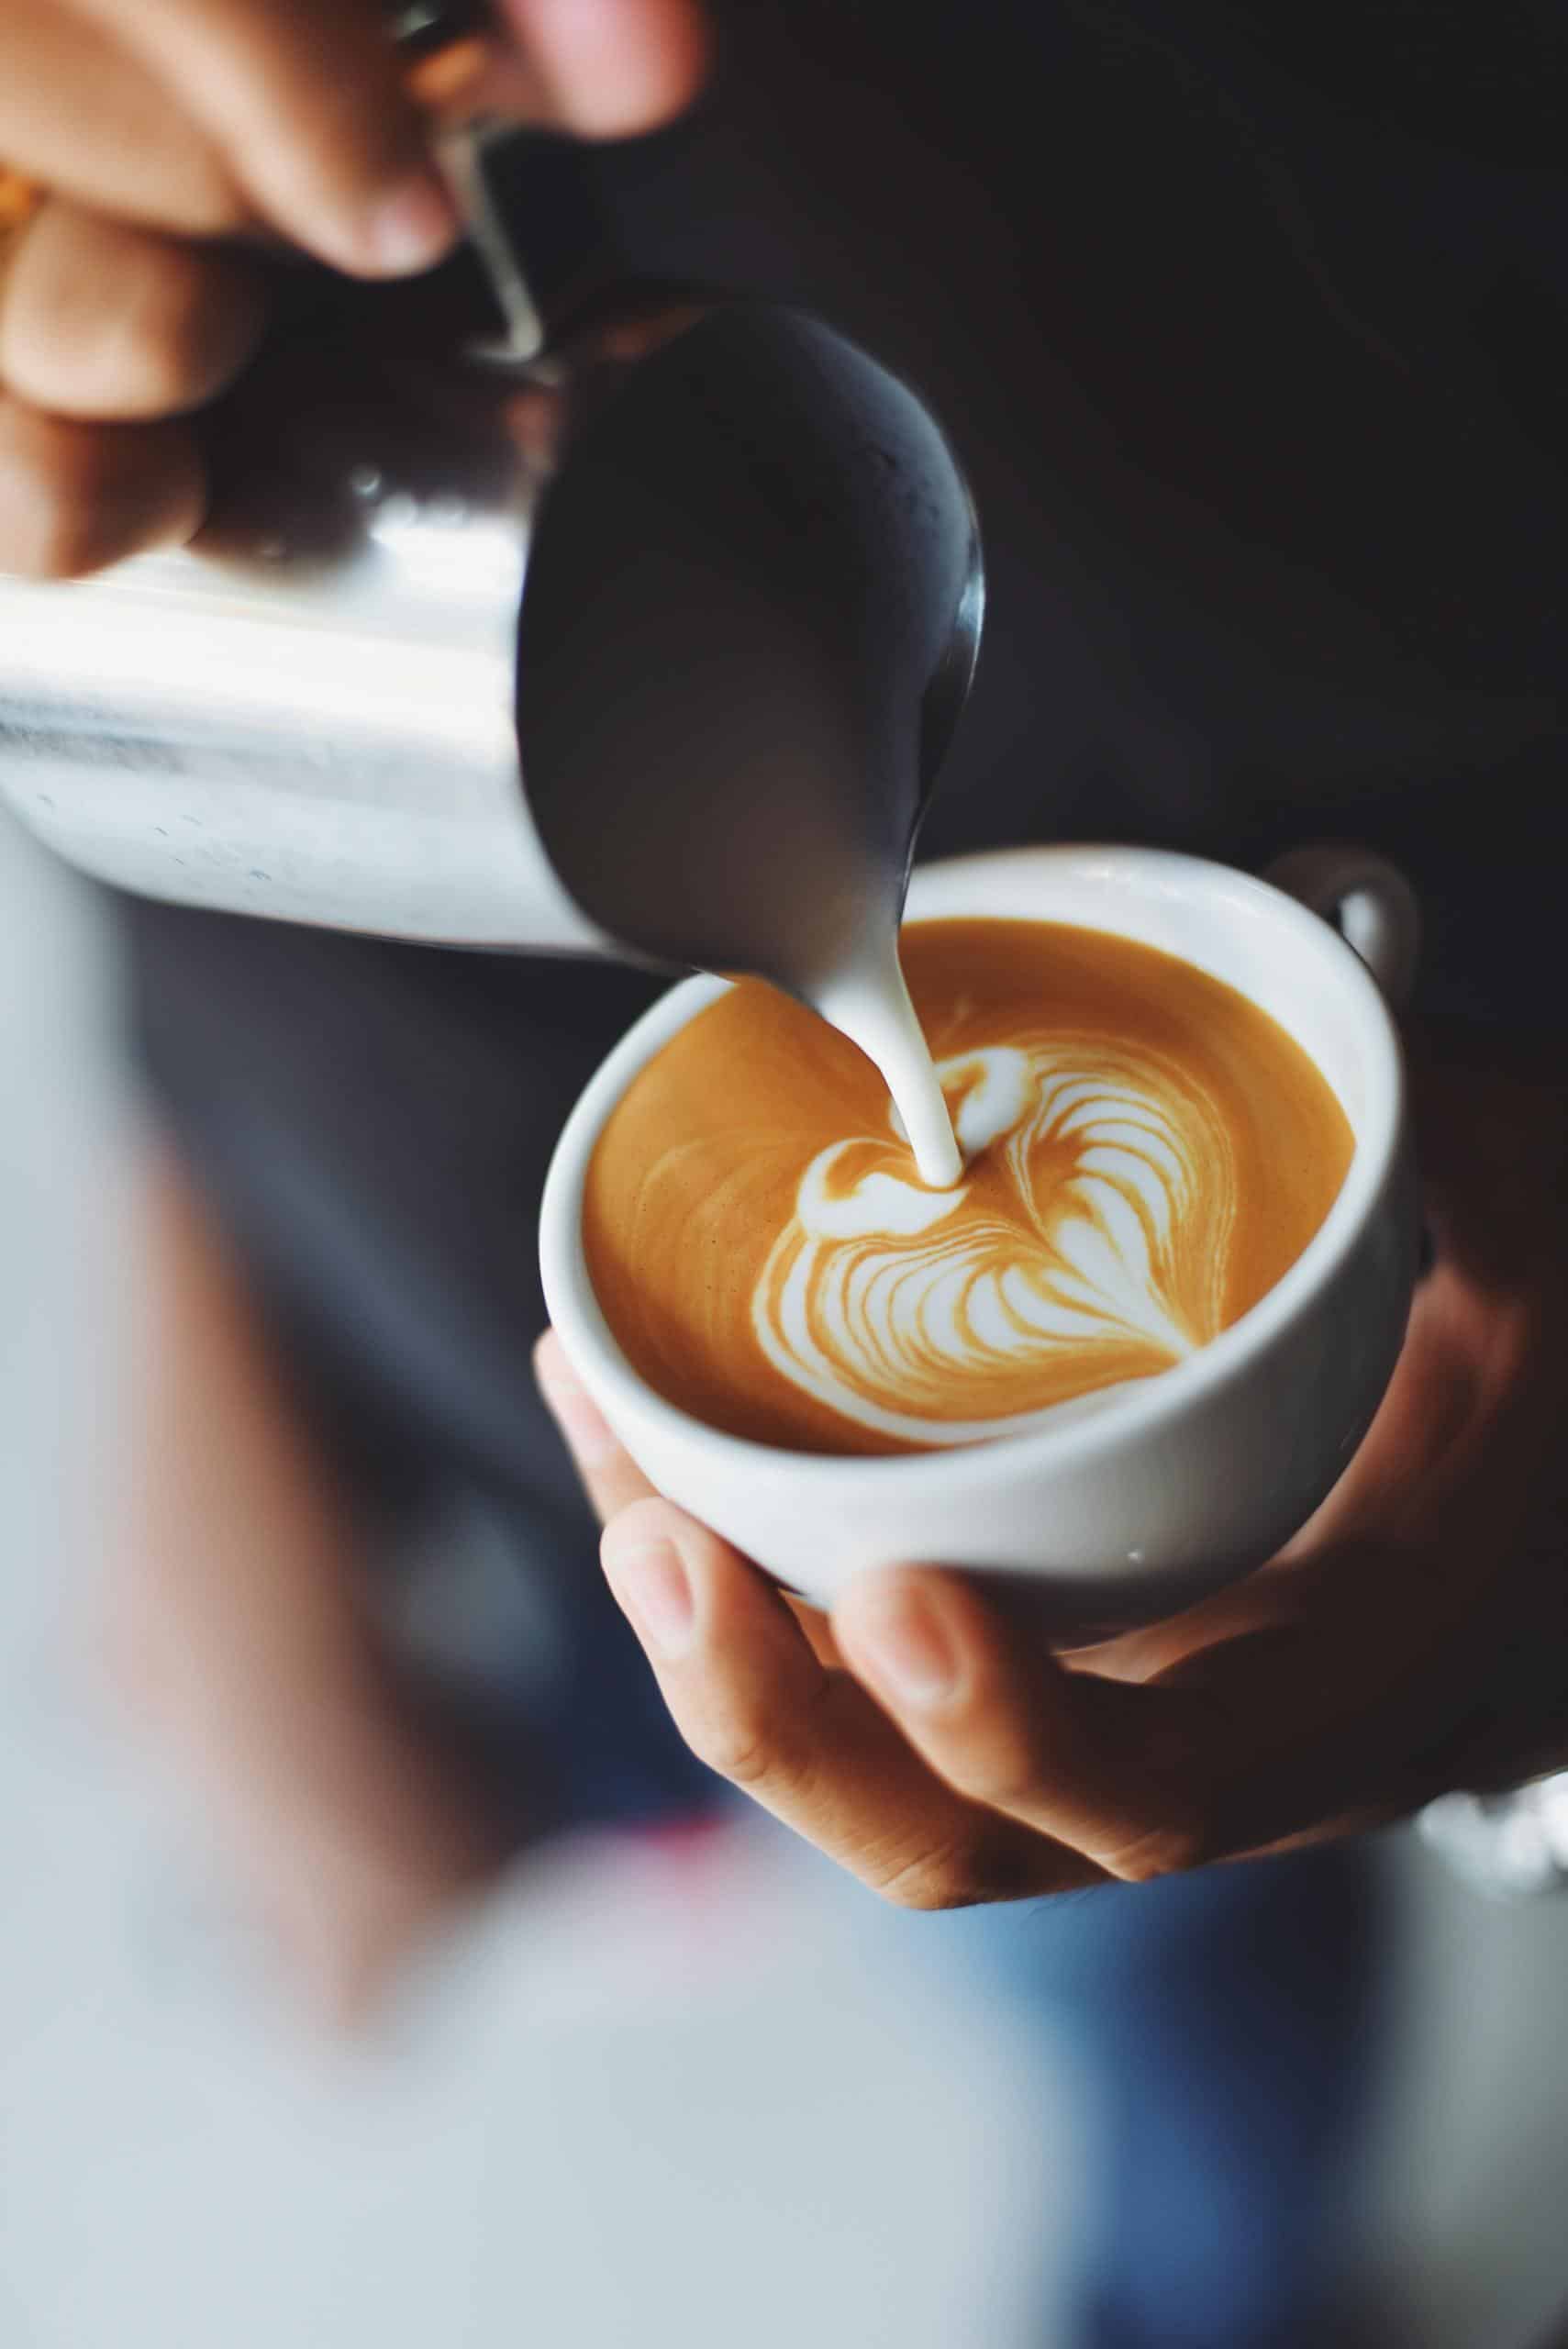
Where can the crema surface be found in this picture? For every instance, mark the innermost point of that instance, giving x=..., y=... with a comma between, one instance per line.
x=1146, y=1152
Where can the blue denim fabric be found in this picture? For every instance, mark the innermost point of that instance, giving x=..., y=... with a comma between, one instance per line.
x=1222, y=2028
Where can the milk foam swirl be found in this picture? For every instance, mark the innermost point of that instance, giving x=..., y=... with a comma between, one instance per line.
x=1093, y=1249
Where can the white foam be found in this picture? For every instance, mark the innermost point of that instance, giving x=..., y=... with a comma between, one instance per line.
x=883, y=1298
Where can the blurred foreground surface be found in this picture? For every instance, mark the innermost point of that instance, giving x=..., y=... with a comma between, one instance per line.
x=624, y=2108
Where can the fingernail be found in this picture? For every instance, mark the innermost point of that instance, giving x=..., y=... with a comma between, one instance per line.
x=589, y=1436
x=413, y=228
x=907, y=1648
x=651, y=1583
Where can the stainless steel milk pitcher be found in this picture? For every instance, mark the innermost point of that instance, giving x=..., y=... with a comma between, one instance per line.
x=638, y=650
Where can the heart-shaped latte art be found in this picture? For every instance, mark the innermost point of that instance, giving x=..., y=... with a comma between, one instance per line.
x=1086, y=1246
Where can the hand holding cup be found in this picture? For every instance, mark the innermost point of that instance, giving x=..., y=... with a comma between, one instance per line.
x=1410, y=1640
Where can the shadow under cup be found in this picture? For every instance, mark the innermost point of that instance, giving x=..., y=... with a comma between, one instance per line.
x=1133, y=1502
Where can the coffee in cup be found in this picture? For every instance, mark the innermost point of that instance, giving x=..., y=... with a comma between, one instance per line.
x=1130, y=1499
x=1147, y=1152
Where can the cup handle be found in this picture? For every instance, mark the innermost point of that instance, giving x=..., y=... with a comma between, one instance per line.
x=1368, y=900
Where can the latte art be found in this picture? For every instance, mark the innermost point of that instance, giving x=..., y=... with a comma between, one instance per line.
x=1145, y=1153
x=895, y=1305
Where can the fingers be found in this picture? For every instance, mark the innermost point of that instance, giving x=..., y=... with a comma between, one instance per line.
x=956, y=1759
x=102, y=324
x=1106, y=1769
x=612, y=67
x=75, y=496
x=198, y=115
x=1260, y=1742
x=99, y=319
x=752, y=1689
x=308, y=107
x=78, y=114
x=753, y=1701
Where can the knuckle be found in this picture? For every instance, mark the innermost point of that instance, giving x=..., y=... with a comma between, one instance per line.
x=986, y=1862
x=1003, y=1768
x=738, y=1741
x=755, y=1737
x=1009, y=1781
x=1175, y=1847
x=931, y=1883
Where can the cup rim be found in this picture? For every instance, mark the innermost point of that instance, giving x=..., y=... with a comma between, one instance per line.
x=578, y=1316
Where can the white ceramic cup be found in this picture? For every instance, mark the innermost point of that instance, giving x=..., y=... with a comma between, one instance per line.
x=1134, y=1502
